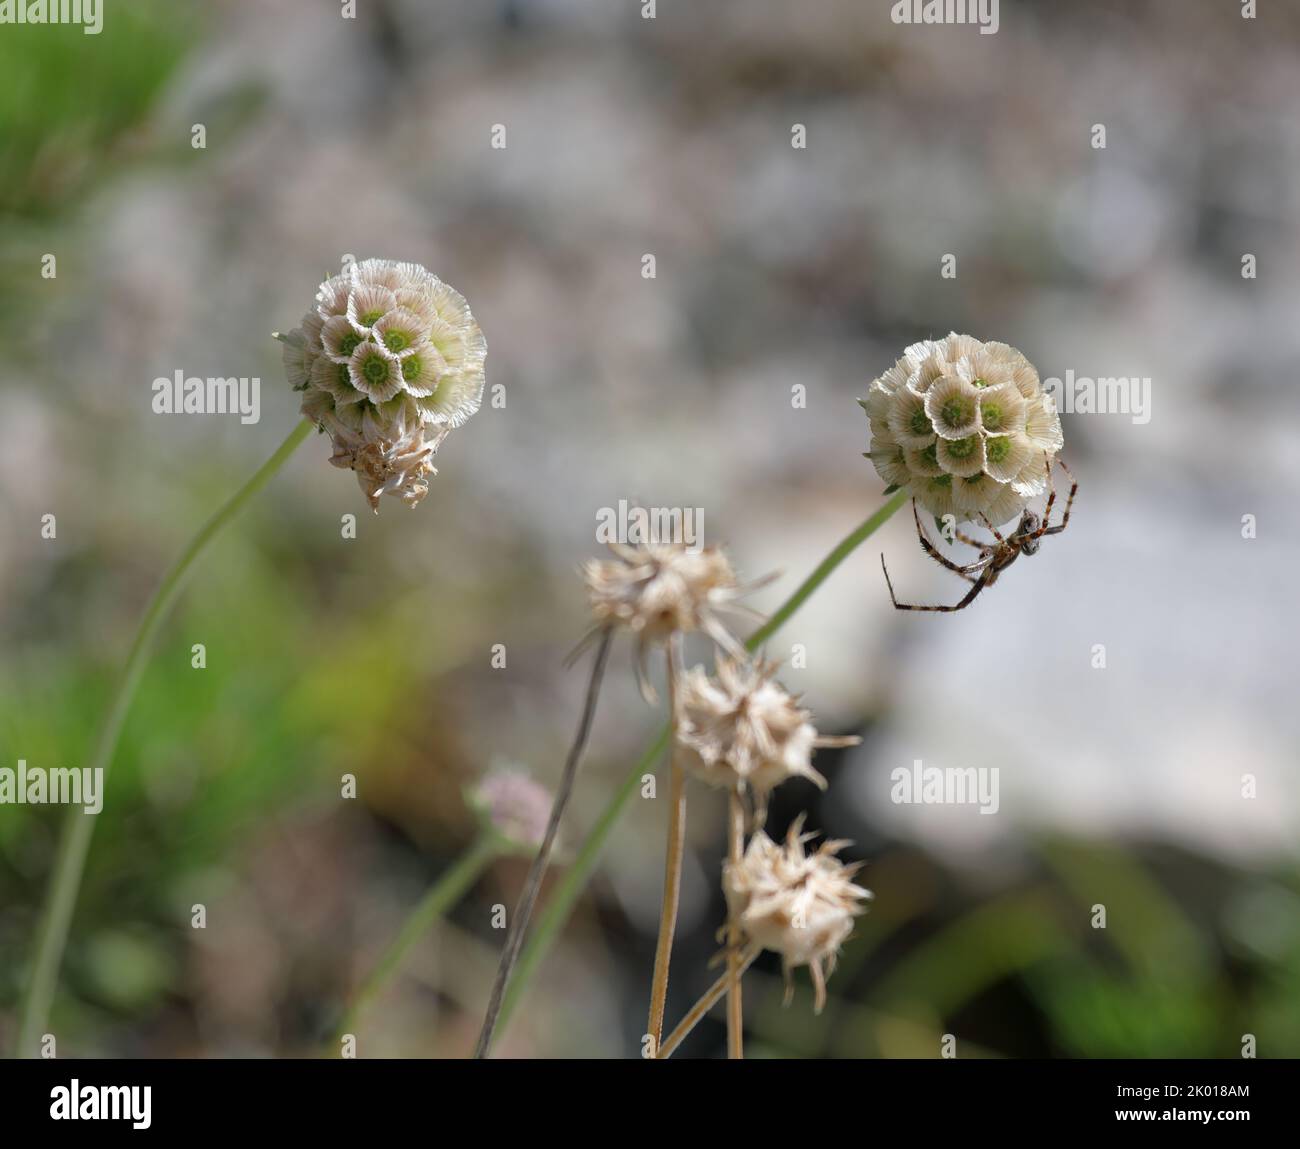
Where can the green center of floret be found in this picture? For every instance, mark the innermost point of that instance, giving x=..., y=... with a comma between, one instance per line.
x=920, y=422
x=375, y=370
x=345, y=379
x=962, y=448
x=997, y=449
x=956, y=412
x=349, y=343
x=396, y=340
x=931, y=454
x=411, y=367
x=992, y=416
x=979, y=382
x=943, y=481
x=370, y=318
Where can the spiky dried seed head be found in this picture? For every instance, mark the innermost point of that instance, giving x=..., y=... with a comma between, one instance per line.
x=656, y=590
x=743, y=730
x=797, y=904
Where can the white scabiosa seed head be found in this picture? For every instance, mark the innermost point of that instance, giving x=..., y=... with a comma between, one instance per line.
x=389, y=361
x=742, y=730
x=964, y=427
x=797, y=904
x=513, y=807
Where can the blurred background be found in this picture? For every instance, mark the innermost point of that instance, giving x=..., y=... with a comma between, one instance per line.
x=774, y=266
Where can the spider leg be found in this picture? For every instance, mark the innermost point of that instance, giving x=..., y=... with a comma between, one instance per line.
x=996, y=533
x=1069, y=502
x=933, y=552
x=978, y=585
x=1051, y=501
x=970, y=542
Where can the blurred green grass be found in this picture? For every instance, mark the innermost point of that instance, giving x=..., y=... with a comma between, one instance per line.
x=70, y=103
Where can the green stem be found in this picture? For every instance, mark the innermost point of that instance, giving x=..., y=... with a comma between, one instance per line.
x=575, y=880
x=846, y=547
x=78, y=828
x=442, y=895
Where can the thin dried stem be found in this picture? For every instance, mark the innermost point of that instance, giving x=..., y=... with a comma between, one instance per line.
x=673, y=859
x=735, y=1007
x=696, y=1013
x=537, y=871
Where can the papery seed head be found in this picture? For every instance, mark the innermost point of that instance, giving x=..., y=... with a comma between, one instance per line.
x=397, y=347
x=958, y=409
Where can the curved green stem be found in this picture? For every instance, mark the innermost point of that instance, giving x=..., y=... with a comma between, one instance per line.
x=442, y=895
x=575, y=880
x=78, y=827
x=846, y=547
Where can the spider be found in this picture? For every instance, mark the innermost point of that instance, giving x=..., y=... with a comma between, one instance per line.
x=994, y=557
